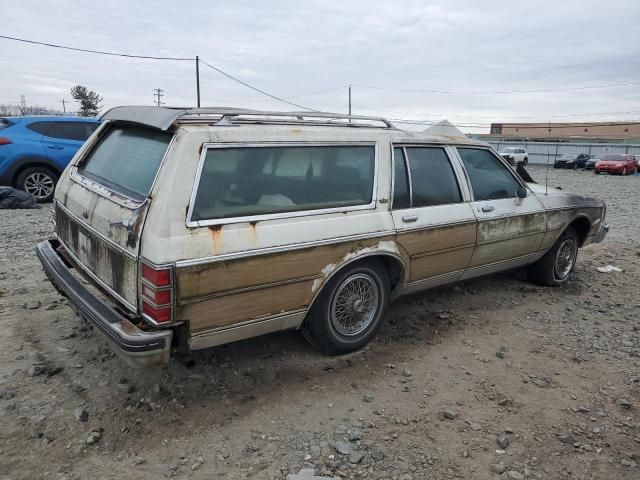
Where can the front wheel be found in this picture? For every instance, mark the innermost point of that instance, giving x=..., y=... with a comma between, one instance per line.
x=556, y=266
x=39, y=182
x=525, y=161
x=348, y=312
x=624, y=171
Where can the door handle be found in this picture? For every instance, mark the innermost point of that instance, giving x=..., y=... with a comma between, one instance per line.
x=55, y=147
x=488, y=208
x=409, y=218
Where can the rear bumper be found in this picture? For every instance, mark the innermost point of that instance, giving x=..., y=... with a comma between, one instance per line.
x=136, y=347
x=601, y=233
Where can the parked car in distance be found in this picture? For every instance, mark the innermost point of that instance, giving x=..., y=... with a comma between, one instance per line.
x=34, y=150
x=571, y=160
x=515, y=155
x=590, y=164
x=618, y=163
x=235, y=223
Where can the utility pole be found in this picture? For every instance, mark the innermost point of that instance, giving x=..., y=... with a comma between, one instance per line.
x=198, y=78
x=64, y=106
x=349, y=103
x=157, y=95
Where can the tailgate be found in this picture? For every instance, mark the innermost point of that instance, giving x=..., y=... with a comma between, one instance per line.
x=102, y=201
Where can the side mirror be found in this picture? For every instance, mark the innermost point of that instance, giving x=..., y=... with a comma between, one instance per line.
x=521, y=192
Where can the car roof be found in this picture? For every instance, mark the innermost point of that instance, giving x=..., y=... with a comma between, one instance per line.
x=272, y=124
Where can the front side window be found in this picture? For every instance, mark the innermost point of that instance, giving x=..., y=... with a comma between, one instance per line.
x=433, y=181
x=489, y=177
x=248, y=181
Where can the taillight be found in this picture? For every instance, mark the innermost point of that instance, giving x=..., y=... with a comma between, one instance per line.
x=5, y=141
x=156, y=292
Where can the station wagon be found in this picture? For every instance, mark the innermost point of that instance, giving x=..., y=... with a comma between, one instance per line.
x=182, y=229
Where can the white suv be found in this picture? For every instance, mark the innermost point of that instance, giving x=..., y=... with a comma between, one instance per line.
x=515, y=155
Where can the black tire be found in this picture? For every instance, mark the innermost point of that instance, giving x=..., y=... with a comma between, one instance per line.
x=624, y=171
x=596, y=172
x=547, y=271
x=575, y=166
x=39, y=182
x=321, y=327
x=525, y=162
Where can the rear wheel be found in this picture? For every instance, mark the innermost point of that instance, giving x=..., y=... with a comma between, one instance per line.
x=525, y=161
x=348, y=312
x=39, y=182
x=556, y=266
x=624, y=171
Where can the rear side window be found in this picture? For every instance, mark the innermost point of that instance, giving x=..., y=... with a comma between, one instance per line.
x=39, y=127
x=401, y=197
x=126, y=159
x=489, y=177
x=79, y=131
x=433, y=181
x=248, y=181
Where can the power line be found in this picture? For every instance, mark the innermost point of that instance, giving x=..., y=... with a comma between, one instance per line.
x=319, y=91
x=494, y=92
x=99, y=52
x=222, y=72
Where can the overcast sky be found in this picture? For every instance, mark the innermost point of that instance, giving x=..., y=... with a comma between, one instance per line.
x=290, y=48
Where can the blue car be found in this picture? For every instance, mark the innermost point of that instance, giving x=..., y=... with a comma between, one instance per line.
x=35, y=150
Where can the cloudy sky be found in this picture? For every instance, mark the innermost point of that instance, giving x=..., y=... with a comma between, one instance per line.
x=399, y=56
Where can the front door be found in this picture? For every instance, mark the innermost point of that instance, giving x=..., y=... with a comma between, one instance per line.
x=510, y=228
x=435, y=223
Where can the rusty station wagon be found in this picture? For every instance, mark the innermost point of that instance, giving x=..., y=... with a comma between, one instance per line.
x=178, y=229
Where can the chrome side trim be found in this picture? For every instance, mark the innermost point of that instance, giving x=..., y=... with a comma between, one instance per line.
x=428, y=283
x=444, y=250
x=282, y=215
x=437, y=225
x=249, y=329
x=502, y=265
x=97, y=279
x=93, y=231
x=224, y=293
x=281, y=248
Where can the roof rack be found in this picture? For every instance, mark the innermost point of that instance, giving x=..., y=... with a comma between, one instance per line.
x=164, y=117
x=241, y=116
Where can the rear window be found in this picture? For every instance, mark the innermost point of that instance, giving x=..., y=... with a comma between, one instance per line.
x=126, y=160
x=248, y=181
x=4, y=123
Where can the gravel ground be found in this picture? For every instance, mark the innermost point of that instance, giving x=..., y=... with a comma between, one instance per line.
x=494, y=378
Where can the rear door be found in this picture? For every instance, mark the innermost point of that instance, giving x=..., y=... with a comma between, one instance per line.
x=101, y=204
x=63, y=139
x=434, y=221
x=509, y=228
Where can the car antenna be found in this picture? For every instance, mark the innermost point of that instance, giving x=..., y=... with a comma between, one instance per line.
x=546, y=178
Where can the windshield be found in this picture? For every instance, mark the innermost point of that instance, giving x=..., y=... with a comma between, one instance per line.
x=614, y=158
x=568, y=156
x=509, y=150
x=127, y=159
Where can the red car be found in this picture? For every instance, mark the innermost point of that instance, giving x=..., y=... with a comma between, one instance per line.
x=619, y=163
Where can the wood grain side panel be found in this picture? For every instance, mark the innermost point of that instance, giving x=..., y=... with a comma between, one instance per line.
x=432, y=239
x=216, y=277
x=231, y=309
x=506, y=249
x=440, y=263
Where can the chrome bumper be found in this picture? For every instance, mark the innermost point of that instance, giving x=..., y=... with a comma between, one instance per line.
x=601, y=233
x=136, y=347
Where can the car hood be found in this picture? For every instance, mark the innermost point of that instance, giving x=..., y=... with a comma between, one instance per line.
x=555, y=198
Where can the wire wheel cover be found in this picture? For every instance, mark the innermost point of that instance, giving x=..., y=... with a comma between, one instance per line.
x=355, y=304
